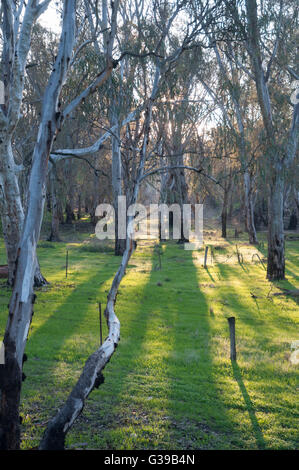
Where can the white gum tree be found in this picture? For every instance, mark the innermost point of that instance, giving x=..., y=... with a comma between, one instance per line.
x=18, y=19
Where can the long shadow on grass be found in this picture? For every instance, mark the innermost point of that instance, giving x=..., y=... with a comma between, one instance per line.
x=51, y=344
x=115, y=409
x=233, y=299
x=199, y=418
x=159, y=390
x=249, y=405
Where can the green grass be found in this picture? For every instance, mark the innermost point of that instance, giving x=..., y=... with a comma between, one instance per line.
x=170, y=384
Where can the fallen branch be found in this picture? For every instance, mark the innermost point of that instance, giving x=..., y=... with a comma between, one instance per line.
x=292, y=292
x=91, y=377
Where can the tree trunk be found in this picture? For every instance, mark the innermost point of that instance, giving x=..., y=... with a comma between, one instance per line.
x=39, y=279
x=224, y=214
x=79, y=214
x=177, y=193
x=183, y=197
x=249, y=208
x=94, y=200
x=12, y=213
x=69, y=214
x=278, y=162
x=296, y=198
x=276, y=259
x=120, y=244
x=54, y=235
x=10, y=398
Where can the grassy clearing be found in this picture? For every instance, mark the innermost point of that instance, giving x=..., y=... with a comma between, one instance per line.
x=170, y=384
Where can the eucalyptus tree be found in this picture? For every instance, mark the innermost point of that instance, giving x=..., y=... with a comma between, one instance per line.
x=268, y=31
x=18, y=19
x=239, y=90
x=229, y=89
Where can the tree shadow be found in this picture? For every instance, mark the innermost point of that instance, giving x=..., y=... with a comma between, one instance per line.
x=199, y=418
x=114, y=407
x=250, y=408
x=233, y=298
x=209, y=274
x=159, y=385
x=68, y=317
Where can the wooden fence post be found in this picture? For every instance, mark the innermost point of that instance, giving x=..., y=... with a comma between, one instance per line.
x=232, y=333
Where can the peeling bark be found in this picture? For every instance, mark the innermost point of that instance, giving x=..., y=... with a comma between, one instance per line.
x=12, y=213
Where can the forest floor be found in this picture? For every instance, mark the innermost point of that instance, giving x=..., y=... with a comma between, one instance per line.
x=170, y=384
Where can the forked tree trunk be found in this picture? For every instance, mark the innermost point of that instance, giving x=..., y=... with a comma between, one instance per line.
x=16, y=39
x=249, y=208
x=276, y=259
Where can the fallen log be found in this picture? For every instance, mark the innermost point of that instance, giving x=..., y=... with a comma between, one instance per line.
x=91, y=376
